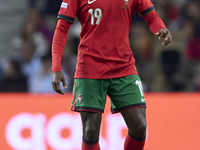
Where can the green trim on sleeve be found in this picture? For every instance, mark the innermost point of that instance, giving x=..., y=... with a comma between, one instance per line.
x=70, y=19
x=145, y=12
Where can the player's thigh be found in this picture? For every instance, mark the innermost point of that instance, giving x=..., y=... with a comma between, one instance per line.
x=126, y=93
x=89, y=95
x=91, y=125
x=135, y=118
x=136, y=122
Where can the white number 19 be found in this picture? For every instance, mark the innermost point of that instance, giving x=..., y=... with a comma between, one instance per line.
x=97, y=13
x=139, y=83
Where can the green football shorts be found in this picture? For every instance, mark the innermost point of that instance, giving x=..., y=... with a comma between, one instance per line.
x=125, y=93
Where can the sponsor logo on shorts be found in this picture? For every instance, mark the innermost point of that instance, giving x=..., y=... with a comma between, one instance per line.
x=64, y=5
x=142, y=99
x=80, y=98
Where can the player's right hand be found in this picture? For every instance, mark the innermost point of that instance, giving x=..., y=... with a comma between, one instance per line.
x=166, y=34
x=58, y=77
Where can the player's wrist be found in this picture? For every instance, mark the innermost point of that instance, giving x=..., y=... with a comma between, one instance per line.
x=53, y=70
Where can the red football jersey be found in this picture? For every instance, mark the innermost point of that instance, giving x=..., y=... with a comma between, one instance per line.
x=104, y=51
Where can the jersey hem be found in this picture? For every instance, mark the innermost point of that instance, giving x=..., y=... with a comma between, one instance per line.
x=102, y=77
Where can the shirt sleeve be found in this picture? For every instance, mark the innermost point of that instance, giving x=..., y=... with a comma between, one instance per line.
x=58, y=44
x=144, y=7
x=68, y=10
x=154, y=22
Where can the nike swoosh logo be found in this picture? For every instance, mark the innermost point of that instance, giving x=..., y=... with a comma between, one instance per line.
x=90, y=2
x=142, y=99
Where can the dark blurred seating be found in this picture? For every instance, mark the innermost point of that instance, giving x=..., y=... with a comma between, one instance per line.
x=170, y=60
x=13, y=80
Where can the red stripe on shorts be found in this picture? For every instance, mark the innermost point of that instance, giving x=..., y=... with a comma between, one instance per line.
x=113, y=112
x=73, y=107
x=78, y=110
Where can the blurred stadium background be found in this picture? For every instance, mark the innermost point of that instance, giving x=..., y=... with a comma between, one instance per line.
x=27, y=28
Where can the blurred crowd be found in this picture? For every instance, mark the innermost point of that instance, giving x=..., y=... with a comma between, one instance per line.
x=162, y=69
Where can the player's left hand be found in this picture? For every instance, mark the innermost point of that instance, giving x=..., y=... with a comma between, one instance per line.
x=58, y=77
x=166, y=34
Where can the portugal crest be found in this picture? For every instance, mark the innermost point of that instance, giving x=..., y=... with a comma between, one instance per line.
x=126, y=5
x=80, y=98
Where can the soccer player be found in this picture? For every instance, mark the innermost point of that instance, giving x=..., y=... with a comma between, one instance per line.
x=105, y=64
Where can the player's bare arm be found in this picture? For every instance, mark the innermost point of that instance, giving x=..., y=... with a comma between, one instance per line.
x=57, y=78
x=164, y=34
